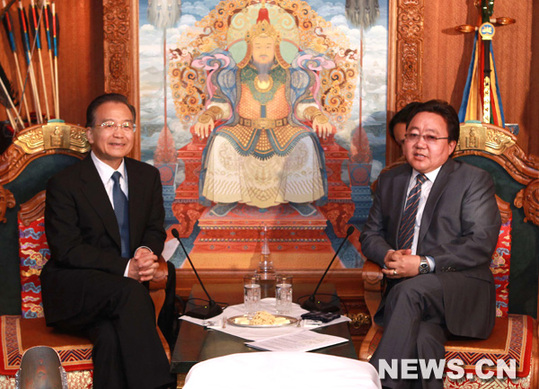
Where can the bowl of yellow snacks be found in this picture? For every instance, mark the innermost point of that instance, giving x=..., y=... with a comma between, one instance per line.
x=262, y=319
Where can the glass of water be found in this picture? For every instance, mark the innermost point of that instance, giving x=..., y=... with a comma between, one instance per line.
x=251, y=294
x=283, y=293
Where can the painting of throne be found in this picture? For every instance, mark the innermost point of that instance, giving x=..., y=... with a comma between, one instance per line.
x=265, y=89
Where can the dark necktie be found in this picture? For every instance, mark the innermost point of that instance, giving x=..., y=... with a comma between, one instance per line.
x=406, y=231
x=121, y=210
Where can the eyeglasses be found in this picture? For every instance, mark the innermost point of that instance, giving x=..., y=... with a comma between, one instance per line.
x=430, y=139
x=111, y=126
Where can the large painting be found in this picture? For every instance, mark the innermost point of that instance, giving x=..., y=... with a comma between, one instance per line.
x=255, y=156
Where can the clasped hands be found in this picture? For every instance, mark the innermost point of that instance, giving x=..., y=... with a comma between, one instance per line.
x=401, y=264
x=143, y=266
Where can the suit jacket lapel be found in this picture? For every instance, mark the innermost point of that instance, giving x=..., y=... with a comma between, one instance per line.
x=136, y=203
x=97, y=196
x=437, y=189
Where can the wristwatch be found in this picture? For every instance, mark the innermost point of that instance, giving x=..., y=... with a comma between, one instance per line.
x=424, y=267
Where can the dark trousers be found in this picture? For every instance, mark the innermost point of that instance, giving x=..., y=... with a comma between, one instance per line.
x=413, y=321
x=168, y=321
x=119, y=319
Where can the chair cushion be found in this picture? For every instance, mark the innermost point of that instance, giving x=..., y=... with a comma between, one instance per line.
x=33, y=253
x=21, y=334
x=511, y=338
x=500, y=267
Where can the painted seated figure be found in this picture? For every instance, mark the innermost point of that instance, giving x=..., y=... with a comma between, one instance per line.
x=263, y=122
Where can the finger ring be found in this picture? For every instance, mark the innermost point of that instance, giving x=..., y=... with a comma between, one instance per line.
x=395, y=272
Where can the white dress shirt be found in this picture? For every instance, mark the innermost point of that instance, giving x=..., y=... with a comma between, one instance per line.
x=425, y=191
x=105, y=173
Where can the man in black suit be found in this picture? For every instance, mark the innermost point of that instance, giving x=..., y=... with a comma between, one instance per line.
x=436, y=261
x=104, y=224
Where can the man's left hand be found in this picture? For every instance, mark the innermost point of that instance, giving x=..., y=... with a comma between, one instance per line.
x=401, y=264
x=145, y=264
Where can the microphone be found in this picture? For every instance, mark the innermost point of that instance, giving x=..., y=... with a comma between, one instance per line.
x=206, y=311
x=314, y=304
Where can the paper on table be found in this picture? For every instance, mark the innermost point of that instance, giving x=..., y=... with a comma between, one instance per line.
x=299, y=341
x=267, y=304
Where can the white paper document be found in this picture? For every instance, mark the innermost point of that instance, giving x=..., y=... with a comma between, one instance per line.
x=297, y=341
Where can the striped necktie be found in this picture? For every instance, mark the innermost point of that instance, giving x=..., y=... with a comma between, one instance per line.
x=406, y=230
x=121, y=209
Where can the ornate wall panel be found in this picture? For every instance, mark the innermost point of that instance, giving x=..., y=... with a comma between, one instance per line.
x=121, y=51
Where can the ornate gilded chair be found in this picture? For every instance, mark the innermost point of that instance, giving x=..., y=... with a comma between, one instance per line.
x=514, y=265
x=36, y=154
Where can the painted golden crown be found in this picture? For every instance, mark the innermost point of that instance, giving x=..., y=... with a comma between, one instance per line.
x=262, y=27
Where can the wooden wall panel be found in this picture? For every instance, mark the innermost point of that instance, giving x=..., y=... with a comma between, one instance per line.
x=81, y=57
x=531, y=113
x=80, y=64
x=447, y=57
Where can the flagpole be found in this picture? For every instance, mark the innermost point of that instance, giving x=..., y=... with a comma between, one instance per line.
x=486, y=30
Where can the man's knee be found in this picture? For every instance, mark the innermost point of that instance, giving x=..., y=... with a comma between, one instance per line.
x=132, y=295
x=404, y=291
x=104, y=338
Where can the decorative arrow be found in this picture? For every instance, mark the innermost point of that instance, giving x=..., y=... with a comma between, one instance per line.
x=13, y=45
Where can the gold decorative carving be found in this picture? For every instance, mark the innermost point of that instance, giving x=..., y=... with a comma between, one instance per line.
x=33, y=209
x=476, y=136
x=498, y=144
x=410, y=30
x=53, y=136
x=118, y=46
x=359, y=320
x=7, y=200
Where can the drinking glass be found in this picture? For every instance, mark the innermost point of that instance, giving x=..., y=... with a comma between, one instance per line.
x=283, y=293
x=251, y=294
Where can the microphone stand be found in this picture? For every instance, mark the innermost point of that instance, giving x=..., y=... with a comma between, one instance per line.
x=313, y=304
x=206, y=311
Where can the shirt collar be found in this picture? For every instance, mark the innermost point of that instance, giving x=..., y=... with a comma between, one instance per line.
x=104, y=170
x=430, y=175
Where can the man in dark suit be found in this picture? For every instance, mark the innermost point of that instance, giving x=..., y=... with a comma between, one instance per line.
x=436, y=260
x=104, y=224
x=397, y=124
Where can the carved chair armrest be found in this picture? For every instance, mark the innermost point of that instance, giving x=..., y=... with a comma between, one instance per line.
x=372, y=285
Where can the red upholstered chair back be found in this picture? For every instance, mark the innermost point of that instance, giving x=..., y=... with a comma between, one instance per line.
x=501, y=260
x=33, y=253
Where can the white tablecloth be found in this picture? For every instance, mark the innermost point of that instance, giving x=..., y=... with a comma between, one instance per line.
x=268, y=305
x=282, y=370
